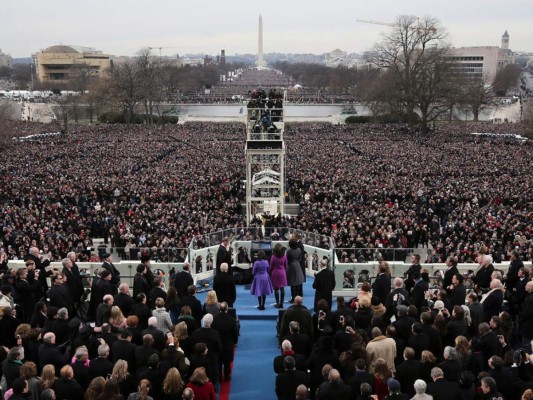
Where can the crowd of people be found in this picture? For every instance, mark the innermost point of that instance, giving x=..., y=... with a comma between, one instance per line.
x=400, y=339
x=369, y=187
x=154, y=343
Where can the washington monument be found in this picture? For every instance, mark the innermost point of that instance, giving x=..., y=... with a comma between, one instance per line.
x=260, y=62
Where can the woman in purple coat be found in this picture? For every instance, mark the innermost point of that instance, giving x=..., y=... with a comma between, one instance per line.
x=261, y=286
x=278, y=265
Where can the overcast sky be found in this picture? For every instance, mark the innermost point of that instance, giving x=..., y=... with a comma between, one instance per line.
x=122, y=27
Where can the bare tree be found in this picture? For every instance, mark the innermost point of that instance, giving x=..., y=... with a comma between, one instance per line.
x=83, y=76
x=378, y=91
x=124, y=89
x=149, y=68
x=476, y=94
x=415, y=53
x=65, y=109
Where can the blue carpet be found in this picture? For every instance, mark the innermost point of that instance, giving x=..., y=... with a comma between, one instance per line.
x=253, y=375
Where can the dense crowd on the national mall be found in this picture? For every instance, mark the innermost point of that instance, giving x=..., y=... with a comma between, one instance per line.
x=372, y=188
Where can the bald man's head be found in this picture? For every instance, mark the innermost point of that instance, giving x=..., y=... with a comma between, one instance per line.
x=334, y=375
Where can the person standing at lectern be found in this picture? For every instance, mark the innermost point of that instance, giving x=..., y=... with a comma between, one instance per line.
x=224, y=255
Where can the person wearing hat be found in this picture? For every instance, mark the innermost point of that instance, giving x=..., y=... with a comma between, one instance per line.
x=395, y=390
x=100, y=287
x=108, y=266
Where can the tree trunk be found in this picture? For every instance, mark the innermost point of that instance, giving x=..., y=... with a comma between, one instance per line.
x=475, y=111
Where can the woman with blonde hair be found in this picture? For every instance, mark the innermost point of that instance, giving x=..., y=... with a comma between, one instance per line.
x=116, y=318
x=201, y=385
x=162, y=315
x=48, y=377
x=96, y=387
x=211, y=305
x=142, y=394
x=182, y=332
x=173, y=385
x=125, y=380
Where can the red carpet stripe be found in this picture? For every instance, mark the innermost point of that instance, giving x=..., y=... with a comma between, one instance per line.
x=225, y=386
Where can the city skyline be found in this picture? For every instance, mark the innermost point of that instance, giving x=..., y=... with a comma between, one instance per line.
x=124, y=27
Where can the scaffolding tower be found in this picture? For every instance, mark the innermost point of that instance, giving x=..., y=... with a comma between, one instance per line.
x=265, y=158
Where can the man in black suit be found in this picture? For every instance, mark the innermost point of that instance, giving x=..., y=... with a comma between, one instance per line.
x=41, y=262
x=123, y=300
x=157, y=334
x=224, y=285
x=441, y=389
x=101, y=366
x=418, y=292
x=334, y=388
x=414, y=270
x=299, y=313
x=143, y=352
x=403, y=323
x=451, y=263
x=140, y=283
x=483, y=275
x=157, y=291
x=288, y=380
x=489, y=343
x=382, y=285
x=74, y=282
x=435, y=338
x=26, y=284
x=286, y=350
x=226, y=326
x=223, y=255
x=145, y=259
x=49, y=353
x=123, y=349
x=324, y=284
x=361, y=375
x=493, y=300
x=115, y=275
x=195, y=304
x=408, y=371
x=206, y=334
x=398, y=296
x=301, y=342
x=59, y=294
x=183, y=280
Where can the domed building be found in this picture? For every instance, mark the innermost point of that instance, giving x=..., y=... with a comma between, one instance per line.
x=61, y=63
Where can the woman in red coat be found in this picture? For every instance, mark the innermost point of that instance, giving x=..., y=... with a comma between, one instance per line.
x=201, y=386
